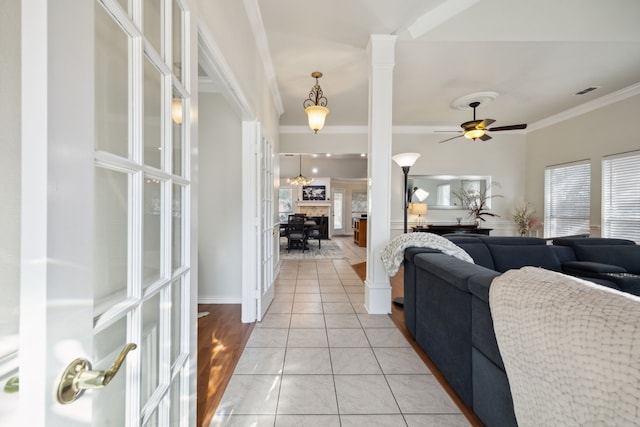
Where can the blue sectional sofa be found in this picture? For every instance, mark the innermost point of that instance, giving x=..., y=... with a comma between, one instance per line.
x=615, y=260
x=446, y=307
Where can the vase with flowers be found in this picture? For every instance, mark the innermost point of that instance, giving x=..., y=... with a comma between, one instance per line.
x=476, y=200
x=525, y=218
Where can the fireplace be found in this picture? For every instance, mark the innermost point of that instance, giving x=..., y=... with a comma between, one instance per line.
x=315, y=210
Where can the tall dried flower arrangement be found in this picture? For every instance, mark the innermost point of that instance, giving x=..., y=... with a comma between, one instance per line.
x=525, y=218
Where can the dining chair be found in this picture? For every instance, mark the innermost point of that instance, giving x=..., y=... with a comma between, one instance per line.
x=296, y=233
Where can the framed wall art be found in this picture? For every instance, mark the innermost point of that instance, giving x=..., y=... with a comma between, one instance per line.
x=314, y=192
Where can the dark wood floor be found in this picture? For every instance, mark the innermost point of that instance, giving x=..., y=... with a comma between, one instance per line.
x=222, y=337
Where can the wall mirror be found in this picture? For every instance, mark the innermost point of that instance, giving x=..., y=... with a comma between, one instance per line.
x=442, y=188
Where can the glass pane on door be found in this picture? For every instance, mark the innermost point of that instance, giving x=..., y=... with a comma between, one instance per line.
x=176, y=227
x=152, y=227
x=175, y=402
x=152, y=24
x=111, y=237
x=111, y=85
x=176, y=37
x=107, y=345
x=177, y=117
x=176, y=320
x=150, y=347
x=152, y=115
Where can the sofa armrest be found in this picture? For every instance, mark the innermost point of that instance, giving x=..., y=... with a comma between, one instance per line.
x=480, y=283
x=454, y=271
x=580, y=267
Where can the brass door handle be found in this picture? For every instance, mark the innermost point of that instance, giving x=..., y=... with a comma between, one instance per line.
x=79, y=377
x=12, y=385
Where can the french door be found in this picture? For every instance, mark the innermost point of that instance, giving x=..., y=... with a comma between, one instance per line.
x=267, y=229
x=106, y=271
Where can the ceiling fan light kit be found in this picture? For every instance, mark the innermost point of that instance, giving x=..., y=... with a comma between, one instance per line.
x=477, y=129
x=316, y=105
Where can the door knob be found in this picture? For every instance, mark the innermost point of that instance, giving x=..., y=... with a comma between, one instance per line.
x=79, y=377
x=12, y=385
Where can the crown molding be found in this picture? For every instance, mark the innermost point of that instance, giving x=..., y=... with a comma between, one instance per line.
x=587, y=107
x=397, y=130
x=327, y=129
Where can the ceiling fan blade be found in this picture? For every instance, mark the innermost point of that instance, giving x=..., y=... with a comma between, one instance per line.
x=486, y=122
x=458, y=136
x=510, y=127
x=485, y=137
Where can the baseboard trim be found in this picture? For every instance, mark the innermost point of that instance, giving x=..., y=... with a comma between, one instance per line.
x=217, y=300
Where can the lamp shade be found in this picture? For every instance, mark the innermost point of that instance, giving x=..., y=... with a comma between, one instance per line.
x=406, y=159
x=421, y=194
x=316, y=114
x=418, y=208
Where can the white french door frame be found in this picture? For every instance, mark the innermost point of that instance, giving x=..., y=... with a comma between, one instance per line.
x=57, y=221
x=54, y=233
x=250, y=220
x=267, y=232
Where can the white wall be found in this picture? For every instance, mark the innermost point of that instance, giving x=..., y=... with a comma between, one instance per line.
x=227, y=34
x=326, y=141
x=220, y=202
x=502, y=158
x=608, y=130
x=226, y=22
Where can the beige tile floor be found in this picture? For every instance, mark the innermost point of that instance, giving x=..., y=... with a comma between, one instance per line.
x=318, y=359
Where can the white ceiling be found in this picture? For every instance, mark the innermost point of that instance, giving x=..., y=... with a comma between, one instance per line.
x=535, y=54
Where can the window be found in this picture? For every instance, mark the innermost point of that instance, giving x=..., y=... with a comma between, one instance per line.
x=444, y=191
x=285, y=204
x=338, y=197
x=567, y=198
x=621, y=196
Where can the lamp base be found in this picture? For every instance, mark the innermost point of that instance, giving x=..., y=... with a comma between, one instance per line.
x=399, y=301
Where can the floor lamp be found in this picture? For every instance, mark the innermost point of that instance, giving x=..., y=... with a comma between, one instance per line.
x=405, y=161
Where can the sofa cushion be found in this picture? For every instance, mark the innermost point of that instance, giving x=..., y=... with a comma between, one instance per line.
x=480, y=254
x=625, y=256
x=580, y=267
x=575, y=241
x=564, y=253
x=508, y=257
x=515, y=241
x=475, y=248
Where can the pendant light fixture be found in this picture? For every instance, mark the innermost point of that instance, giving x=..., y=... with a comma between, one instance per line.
x=300, y=180
x=316, y=105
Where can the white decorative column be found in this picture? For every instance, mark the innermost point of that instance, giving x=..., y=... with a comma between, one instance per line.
x=381, y=52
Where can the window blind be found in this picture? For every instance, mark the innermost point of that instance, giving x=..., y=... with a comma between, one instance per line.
x=567, y=199
x=621, y=196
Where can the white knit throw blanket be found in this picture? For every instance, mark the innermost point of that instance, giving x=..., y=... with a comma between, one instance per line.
x=393, y=253
x=571, y=349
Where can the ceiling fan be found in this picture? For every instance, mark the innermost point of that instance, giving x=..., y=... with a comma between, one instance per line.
x=477, y=129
